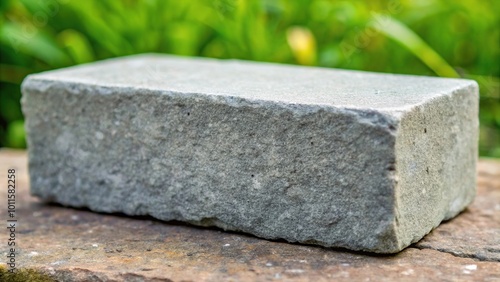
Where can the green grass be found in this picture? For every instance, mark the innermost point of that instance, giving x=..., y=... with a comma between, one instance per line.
x=438, y=38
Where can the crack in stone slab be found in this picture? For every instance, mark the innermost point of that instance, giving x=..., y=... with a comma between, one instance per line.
x=457, y=254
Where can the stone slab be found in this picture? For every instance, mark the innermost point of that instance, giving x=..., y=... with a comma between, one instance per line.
x=358, y=160
x=69, y=244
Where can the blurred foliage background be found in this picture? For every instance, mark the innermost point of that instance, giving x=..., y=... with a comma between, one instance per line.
x=431, y=37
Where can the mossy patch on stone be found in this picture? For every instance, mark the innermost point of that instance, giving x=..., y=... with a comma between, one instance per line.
x=23, y=275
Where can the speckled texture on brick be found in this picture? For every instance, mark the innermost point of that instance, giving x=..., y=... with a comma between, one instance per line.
x=347, y=159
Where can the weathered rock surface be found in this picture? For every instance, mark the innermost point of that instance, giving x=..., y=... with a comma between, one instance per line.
x=77, y=245
x=363, y=161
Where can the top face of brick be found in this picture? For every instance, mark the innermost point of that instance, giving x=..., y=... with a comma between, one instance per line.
x=259, y=81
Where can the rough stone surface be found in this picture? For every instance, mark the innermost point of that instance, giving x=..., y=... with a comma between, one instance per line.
x=348, y=159
x=476, y=232
x=79, y=245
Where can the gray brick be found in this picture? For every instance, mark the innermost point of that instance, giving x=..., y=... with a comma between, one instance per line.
x=348, y=159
